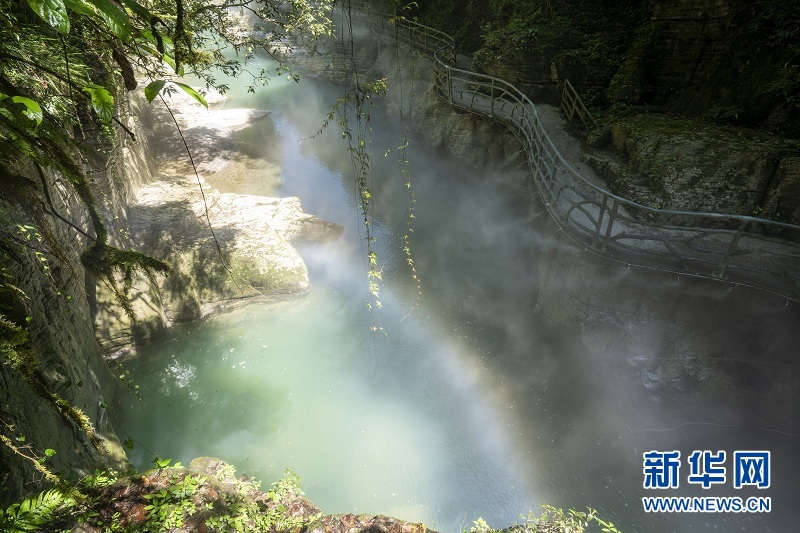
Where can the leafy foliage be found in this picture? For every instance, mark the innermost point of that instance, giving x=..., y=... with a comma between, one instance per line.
x=56, y=81
x=167, y=509
x=35, y=512
x=172, y=499
x=779, y=24
x=12, y=347
x=356, y=106
x=553, y=520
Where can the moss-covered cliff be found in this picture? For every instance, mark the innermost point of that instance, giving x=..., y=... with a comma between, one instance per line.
x=58, y=393
x=698, y=100
x=730, y=61
x=71, y=160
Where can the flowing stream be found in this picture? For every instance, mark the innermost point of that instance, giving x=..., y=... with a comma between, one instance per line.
x=458, y=407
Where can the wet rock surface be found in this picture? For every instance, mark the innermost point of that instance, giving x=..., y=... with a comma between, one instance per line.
x=222, y=247
x=683, y=164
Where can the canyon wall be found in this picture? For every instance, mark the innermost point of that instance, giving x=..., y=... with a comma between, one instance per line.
x=52, y=295
x=675, y=343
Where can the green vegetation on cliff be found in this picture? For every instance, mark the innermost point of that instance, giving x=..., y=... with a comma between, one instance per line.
x=209, y=497
x=65, y=66
x=732, y=62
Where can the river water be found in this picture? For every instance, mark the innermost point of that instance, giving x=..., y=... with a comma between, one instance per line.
x=444, y=405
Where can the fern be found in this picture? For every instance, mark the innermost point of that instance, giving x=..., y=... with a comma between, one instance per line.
x=34, y=512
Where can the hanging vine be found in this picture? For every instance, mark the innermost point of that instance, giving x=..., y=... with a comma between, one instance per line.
x=405, y=171
x=352, y=113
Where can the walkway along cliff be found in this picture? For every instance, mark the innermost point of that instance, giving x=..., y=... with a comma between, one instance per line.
x=738, y=249
x=736, y=358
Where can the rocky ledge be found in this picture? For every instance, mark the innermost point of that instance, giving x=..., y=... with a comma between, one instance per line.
x=209, y=497
x=222, y=247
x=686, y=164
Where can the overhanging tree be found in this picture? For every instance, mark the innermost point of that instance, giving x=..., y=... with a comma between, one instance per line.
x=65, y=66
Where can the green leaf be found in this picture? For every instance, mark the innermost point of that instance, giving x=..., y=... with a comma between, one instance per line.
x=147, y=42
x=53, y=12
x=49, y=452
x=80, y=6
x=171, y=62
x=115, y=18
x=153, y=88
x=137, y=8
x=191, y=92
x=158, y=462
x=32, y=110
x=102, y=101
x=129, y=443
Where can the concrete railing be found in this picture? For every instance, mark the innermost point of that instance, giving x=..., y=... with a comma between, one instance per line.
x=741, y=249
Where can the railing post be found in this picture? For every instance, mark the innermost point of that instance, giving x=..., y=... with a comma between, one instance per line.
x=449, y=84
x=556, y=169
x=731, y=249
x=492, y=96
x=599, y=225
x=610, y=224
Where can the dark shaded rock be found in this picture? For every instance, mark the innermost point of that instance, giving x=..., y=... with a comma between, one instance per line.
x=676, y=51
x=783, y=196
x=683, y=164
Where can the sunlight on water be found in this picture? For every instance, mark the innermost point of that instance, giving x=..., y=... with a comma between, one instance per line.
x=297, y=385
x=399, y=423
x=465, y=406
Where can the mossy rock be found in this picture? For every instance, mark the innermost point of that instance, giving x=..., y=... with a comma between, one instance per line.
x=686, y=164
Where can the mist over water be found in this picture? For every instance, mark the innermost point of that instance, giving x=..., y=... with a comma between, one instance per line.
x=464, y=405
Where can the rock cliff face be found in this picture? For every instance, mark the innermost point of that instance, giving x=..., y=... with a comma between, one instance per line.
x=222, y=247
x=57, y=391
x=52, y=298
x=676, y=52
x=672, y=342
x=675, y=84
x=727, y=60
x=463, y=134
x=683, y=164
